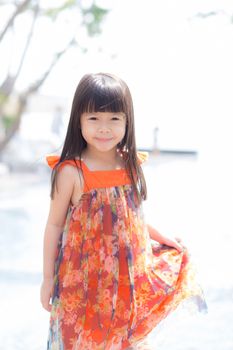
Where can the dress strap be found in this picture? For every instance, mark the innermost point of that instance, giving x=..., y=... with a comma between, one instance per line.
x=97, y=178
x=52, y=160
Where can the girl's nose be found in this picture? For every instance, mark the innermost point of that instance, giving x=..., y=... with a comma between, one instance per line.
x=104, y=128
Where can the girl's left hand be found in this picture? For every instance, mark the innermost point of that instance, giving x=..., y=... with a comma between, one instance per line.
x=176, y=243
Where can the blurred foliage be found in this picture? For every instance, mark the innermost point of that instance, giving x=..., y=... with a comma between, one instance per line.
x=12, y=102
x=92, y=17
x=8, y=120
x=3, y=98
x=53, y=12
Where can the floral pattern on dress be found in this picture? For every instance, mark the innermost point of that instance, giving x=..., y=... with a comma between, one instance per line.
x=111, y=285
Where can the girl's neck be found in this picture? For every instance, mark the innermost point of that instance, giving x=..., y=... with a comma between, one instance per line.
x=107, y=160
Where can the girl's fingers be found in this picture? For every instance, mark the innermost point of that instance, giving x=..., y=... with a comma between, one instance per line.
x=45, y=303
x=179, y=240
x=45, y=296
x=47, y=306
x=174, y=243
x=179, y=247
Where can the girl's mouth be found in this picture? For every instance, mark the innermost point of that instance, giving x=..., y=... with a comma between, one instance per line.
x=102, y=139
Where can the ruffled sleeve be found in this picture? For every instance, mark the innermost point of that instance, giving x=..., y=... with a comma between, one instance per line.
x=52, y=160
x=142, y=156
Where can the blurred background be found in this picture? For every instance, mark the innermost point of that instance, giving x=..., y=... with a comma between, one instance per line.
x=176, y=57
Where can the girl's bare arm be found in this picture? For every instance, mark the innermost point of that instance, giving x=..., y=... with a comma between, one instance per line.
x=172, y=242
x=67, y=184
x=56, y=218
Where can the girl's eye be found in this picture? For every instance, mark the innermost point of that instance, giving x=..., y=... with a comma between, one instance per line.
x=92, y=118
x=116, y=118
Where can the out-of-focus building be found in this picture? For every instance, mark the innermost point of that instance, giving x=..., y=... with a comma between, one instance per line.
x=41, y=131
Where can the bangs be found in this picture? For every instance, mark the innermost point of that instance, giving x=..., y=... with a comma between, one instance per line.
x=103, y=96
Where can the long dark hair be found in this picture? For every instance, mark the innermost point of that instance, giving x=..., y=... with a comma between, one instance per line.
x=103, y=92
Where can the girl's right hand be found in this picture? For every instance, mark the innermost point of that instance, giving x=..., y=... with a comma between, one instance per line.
x=46, y=293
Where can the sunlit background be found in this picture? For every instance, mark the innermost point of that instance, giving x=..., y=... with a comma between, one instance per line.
x=176, y=57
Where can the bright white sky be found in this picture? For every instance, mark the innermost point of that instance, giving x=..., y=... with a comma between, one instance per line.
x=177, y=64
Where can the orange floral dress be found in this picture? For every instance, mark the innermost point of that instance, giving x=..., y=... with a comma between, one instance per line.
x=112, y=286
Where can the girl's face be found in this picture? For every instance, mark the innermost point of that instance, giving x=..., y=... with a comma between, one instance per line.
x=103, y=130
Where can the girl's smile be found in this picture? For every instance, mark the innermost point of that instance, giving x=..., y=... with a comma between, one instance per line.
x=103, y=139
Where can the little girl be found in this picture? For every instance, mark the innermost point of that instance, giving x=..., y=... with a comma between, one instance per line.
x=109, y=286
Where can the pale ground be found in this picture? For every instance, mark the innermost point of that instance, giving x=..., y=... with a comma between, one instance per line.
x=183, y=200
